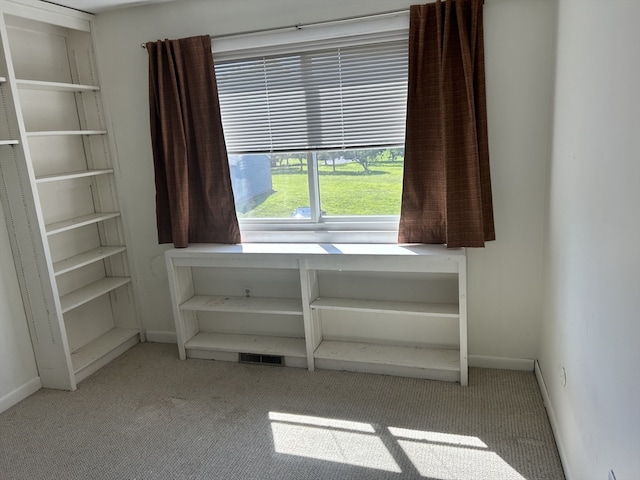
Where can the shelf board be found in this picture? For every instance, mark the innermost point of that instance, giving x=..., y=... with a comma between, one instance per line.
x=71, y=175
x=78, y=222
x=392, y=355
x=86, y=258
x=3, y=79
x=224, y=303
x=377, y=306
x=261, y=344
x=52, y=133
x=90, y=292
x=9, y=142
x=101, y=348
x=55, y=86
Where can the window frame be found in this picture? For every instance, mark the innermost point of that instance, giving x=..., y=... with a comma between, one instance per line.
x=317, y=228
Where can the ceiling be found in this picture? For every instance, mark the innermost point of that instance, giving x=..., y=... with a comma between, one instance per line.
x=97, y=6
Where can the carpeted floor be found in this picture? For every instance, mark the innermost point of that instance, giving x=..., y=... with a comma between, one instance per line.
x=148, y=415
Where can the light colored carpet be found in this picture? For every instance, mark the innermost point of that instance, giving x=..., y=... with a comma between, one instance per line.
x=148, y=415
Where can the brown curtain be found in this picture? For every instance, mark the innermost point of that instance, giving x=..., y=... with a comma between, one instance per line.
x=446, y=195
x=194, y=199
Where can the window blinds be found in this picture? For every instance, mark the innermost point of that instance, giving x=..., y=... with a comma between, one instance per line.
x=330, y=99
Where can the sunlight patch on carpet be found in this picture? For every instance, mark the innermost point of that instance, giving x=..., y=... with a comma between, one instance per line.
x=339, y=441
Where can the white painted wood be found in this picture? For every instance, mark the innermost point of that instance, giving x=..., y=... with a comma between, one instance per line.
x=54, y=86
x=462, y=302
x=52, y=103
x=292, y=347
x=49, y=14
x=16, y=395
x=72, y=175
x=553, y=420
x=90, y=292
x=221, y=303
x=401, y=356
x=309, y=286
x=51, y=133
x=376, y=306
x=414, y=267
x=86, y=258
x=102, y=350
x=78, y=222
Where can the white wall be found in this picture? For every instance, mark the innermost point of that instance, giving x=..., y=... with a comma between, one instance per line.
x=504, y=279
x=591, y=311
x=18, y=373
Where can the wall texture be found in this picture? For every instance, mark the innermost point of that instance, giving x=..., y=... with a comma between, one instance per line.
x=18, y=373
x=591, y=325
x=504, y=279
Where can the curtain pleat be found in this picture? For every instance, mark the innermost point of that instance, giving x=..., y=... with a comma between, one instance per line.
x=194, y=198
x=446, y=195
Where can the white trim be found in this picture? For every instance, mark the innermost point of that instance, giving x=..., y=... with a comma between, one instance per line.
x=161, y=337
x=555, y=427
x=354, y=31
x=20, y=393
x=501, y=363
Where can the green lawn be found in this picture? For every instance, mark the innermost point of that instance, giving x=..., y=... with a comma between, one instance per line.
x=347, y=191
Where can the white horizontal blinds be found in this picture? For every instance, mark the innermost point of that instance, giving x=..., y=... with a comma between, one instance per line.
x=338, y=98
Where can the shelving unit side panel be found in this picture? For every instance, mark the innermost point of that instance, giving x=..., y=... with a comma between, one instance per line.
x=309, y=289
x=181, y=289
x=462, y=289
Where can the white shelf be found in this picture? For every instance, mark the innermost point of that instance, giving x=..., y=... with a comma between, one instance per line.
x=55, y=86
x=86, y=258
x=90, y=292
x=78, y=222
x=377, y=306
x=3, y=79
x=101, y=348
x=71, y=175
x=9, y=142
x=223, y=303
x=420, y=329
x=398, y=356
x=66, y=133
x=259, y=344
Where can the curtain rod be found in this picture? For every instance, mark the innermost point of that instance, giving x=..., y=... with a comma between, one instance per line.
x=300, y=26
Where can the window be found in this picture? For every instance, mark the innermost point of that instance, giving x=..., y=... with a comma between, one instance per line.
x=315, y=133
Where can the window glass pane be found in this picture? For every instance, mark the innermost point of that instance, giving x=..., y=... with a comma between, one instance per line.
x=269, y=186
x=361, y=182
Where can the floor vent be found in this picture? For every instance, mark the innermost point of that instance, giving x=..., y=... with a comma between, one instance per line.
x=261, y=359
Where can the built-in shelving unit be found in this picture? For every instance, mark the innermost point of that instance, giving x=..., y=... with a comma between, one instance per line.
x=59, y=192
x=389, y=309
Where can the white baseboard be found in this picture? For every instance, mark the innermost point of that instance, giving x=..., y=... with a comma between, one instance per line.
x=553, y=421
x=161, y=337
x=23, y=391
x=501, y=363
